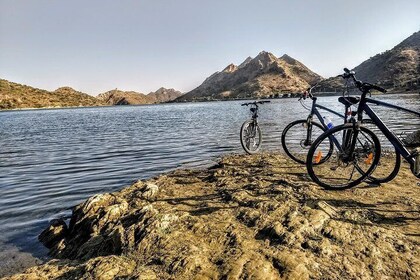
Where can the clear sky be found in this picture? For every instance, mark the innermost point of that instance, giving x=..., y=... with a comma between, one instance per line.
x=98, y=45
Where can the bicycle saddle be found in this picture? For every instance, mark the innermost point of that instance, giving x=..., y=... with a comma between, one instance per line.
x=348, y=101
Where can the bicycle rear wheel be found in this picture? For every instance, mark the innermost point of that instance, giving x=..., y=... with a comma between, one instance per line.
x=390, y=161
x=295, y=142
x=344, y=169
x=251, y=137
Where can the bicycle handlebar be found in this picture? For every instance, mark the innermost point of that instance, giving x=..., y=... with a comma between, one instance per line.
x=363, y=87
x=367, y=87
x=308, y=93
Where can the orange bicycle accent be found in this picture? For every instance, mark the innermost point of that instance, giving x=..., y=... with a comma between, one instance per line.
x=369, y=159
x=318, y=157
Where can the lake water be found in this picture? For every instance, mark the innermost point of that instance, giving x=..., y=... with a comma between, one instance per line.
x=51, y=160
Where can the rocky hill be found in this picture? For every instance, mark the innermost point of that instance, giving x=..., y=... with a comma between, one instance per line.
x=164, y=95
x=261, y=76
x=14, y=96
x=395, y=69
x=118, y=97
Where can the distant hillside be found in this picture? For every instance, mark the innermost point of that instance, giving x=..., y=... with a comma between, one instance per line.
x=118, y=97
x=164, y=95
x=256, y=77
x=13, y=96
x=395, y=69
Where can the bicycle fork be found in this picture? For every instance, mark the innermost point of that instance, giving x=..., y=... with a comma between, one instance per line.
x=308, y=140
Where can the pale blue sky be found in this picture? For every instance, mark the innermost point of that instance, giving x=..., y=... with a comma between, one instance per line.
x=98, y=45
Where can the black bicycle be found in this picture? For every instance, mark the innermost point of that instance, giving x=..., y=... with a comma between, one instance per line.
x=251, y=136
x=357, y=148
x=299, y=135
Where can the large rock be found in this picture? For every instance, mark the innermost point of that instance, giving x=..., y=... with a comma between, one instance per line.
x=249, y=217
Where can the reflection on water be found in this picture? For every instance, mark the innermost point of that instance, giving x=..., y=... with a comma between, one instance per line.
x=51, y=160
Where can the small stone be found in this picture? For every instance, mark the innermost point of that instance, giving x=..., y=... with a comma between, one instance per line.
x=149, y=191
x=54, y=233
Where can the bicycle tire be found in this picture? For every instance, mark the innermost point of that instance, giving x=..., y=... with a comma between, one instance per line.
x=375, y=177
x=334, y=173
x=288, y=147
x=242, y=133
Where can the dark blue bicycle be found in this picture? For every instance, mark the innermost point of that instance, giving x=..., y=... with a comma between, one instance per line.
x=357, y=150
x=299, y=135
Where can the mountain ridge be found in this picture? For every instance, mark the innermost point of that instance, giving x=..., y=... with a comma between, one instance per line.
x=397, y=69
x=254, y=77
x=19, y=96
x=119, y=97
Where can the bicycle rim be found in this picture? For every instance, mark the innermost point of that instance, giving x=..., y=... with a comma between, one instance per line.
x=295, y=142
x=344, y=170
x=251, y=137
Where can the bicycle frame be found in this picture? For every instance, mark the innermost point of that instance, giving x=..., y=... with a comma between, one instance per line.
x=347, y=139
x=314, y=111
x=395, y=141
x=254, y=116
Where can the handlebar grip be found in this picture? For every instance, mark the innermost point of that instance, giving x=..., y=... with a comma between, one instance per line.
x=245, y=104
x=378, y=88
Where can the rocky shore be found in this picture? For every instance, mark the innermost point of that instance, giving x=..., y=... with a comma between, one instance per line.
x=248, y=217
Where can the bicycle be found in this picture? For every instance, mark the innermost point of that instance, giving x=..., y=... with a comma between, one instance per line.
x=358, y=148
x=250, y=134
x=306, y=130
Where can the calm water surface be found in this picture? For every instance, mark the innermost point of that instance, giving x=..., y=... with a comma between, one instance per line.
x=51, y=160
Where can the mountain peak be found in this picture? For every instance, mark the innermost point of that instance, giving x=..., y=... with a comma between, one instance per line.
x=230, y=68
x=412, y=41
x=288, y=59
x=265, y=56
x=261, y=76
x=245, y=62
x=65, y=89
x=161, y=90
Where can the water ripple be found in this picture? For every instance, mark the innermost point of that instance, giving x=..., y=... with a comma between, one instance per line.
x=50, y=160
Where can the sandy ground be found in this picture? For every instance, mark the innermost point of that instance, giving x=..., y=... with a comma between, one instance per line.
x=14, y=261
x=249, y=217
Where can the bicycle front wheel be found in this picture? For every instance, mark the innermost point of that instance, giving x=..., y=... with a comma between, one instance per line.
x=297, y=138
x=356, y=155
x=251, y=137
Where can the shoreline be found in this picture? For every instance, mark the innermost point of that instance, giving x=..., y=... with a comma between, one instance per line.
x=247, y=216
x=176, y=102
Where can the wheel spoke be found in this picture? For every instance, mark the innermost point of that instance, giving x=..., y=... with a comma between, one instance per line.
x=340, y=171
